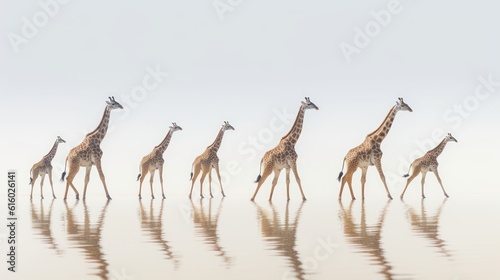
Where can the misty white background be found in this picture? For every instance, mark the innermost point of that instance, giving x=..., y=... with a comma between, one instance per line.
x=243, y=66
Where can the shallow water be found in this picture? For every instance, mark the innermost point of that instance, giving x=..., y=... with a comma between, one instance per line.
x=233, y=238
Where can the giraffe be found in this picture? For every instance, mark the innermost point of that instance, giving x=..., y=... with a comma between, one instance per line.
x=44, y=167
x=89, y=153
x=428, y=163
x=284, y=155
x=208, y=160
x=369, y=153
x=154, y=160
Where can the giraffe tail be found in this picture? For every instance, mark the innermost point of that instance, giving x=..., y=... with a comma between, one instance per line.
x=64, y=173
x=408, y=174
x=342, y=171
x=139, y=176
x=260, y=171
x=191, y=178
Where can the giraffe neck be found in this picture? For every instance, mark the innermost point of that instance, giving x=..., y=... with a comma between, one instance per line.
x=52, y=152
x=439, y=148
x=381, y=132
x=102, y=128
x=293, y=135
x=164, y=144
x=218, y=140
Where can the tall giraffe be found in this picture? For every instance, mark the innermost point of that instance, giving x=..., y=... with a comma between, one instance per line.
x=154, y=160
x=208, y=160
x=89, y=153
x=428, y=163
x=284, y=155
x=44, y=167
x=369, y=153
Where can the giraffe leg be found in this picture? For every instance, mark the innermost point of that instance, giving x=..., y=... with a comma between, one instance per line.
x=265, y=174
x=220, y=181
x=41, y=185
x=35, y=176
x=160, y=170
x=423, y=182
x=51, y=184
x=297, y=178
x=210, y=181
x=348, y=179
x=86, y=182
x=203, y=175
x=288, y=184
x=73, y=170
x=275, y=181
x=197, y=169
x=413, y=175
x=439, y=180
x=378, y=164
x=103, y=179
x=151, y=177
x=144, y=173
x=363, y=181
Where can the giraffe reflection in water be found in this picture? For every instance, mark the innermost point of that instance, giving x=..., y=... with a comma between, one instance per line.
x=282, y=235
x=367, y=237
x=206, y=225
x=153, y=225
x=87, y=237
x=428, y=226
x=41, y=221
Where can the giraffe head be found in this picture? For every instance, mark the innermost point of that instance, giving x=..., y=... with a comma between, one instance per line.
x=113, y=104
x=308, y=104
x=175, y=127
x=450, y=138
x=60, y=140
x=227, y=126
x=401, y=106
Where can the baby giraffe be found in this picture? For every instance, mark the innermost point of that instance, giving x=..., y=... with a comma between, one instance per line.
x=154, y=161
x=208, y=160
x=43, y=167
x=428, y=163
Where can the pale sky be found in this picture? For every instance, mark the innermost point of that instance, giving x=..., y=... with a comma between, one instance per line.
x=251, y=64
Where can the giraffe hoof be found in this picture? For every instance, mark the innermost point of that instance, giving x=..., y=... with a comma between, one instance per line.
x=152, y=197
x=423, y=196
x=77, y=197
x=223, y=195
x=164, y=197
x=140, y=197
x=446, y=195
x=109, y=197
x=211, y=196
x=304, y=198
x=390, y=197
x=54, y=197
x=42, y=197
